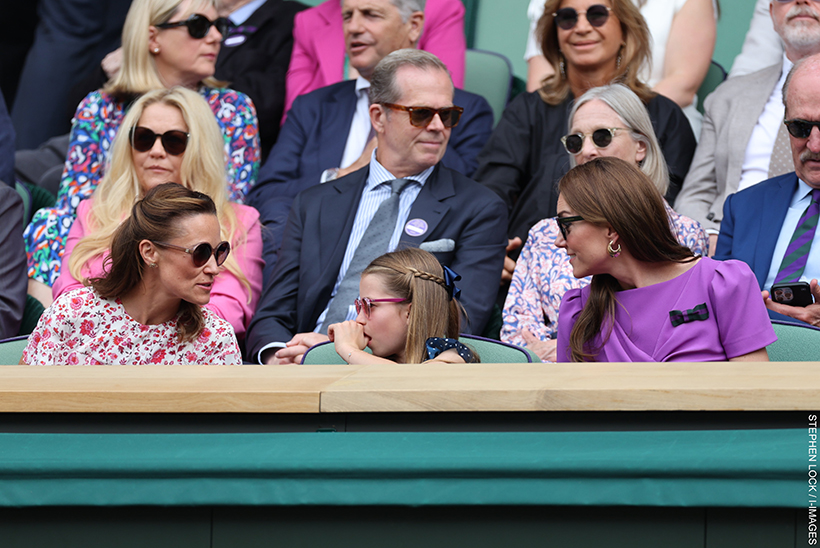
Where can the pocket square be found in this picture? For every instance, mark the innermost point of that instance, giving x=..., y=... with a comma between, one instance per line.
x=697, y=314
x=438, y=246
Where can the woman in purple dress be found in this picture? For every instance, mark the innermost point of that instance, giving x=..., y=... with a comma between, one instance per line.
x=650, y=299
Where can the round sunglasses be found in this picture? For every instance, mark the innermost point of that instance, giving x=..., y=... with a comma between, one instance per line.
x=366, y=304
x=174, y=142
x=800, y=129
x=567, y=18
x=201, y=253
x=199, y=25
x=601, y=138
x=422, y=116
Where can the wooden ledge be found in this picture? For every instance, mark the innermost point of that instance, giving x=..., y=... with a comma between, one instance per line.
x=773, y=386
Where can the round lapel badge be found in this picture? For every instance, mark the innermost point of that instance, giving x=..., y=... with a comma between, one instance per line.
x=415, y=227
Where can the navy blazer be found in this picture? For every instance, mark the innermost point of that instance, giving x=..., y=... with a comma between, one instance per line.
x=313, y=139
x=316, y=236
x=751, y=223
x=752, y=219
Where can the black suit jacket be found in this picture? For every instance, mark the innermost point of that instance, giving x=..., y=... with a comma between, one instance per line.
x=258, y=65
x=316, y=236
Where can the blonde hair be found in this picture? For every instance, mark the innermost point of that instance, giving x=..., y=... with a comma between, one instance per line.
x=202, y=169
x=635, y=53
x=139, y=73
x=416, y=276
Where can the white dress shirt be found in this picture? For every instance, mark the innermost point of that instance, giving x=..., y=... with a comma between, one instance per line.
x=755, y=167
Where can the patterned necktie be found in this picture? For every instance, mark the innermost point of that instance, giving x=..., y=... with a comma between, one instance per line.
x=781, y=160
x=797, y=253
x=374, y=243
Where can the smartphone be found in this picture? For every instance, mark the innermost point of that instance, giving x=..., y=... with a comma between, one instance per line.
x=792, y=294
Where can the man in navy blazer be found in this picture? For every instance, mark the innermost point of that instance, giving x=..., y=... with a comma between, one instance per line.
x=313, y=145
x=462, y=223
x=758, y=222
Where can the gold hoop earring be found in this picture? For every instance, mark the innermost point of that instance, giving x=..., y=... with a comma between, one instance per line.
x=613, y=252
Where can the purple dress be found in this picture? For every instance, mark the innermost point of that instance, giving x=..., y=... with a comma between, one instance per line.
x=712, y=312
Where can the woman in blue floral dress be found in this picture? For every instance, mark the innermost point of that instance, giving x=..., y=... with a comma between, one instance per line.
x=166, y=43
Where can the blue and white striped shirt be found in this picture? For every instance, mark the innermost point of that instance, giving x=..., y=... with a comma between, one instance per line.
x=376, y=190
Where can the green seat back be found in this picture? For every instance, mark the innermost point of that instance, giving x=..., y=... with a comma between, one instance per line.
x=488, y=350
x=11, y=350
x=490, y=75
x=715, y=77
x=795, y=343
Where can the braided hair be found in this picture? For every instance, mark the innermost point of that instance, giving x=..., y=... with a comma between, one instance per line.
x=416, y=276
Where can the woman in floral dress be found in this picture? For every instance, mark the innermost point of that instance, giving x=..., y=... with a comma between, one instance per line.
x=148, y=308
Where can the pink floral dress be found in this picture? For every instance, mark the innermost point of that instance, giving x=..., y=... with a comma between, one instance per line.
x=80, y=328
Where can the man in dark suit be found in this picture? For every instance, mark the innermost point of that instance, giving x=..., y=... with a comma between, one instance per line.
x=255, y=55
x=327, y=133
x=761, y=223
x=440, y=210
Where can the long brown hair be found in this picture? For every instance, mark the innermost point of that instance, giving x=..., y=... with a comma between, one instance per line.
x=612, y=192
x=153, y=218
x=635, y=53
x=417, y=276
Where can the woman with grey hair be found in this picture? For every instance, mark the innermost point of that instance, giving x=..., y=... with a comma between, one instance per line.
x=605, y=121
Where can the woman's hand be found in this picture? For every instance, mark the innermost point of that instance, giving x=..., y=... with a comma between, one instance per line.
x=347, y=337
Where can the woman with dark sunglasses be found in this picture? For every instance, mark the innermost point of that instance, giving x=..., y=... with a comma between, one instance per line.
x=408, y=312
x=683, y=34
x=650, y=299
x=148, y=307
x=605, y=121
x=524, y=157
x=166, y=43
x=169, y=135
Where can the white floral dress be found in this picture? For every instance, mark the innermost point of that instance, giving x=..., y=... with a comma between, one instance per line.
x=80, y=328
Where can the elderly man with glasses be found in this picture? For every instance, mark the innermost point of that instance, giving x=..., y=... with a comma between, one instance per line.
x=772, y=226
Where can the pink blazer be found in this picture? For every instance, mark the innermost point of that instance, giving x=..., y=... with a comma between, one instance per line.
x=229, y=298
x=319, y=46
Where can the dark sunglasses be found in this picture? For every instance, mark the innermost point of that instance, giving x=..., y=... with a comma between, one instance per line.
x=422, y=116
x=601, y=138
x=143, y=139
x=596, y=15
x=199, y=25
x=366, y=304
x=800, y=128
x=201, y=253
x=564, y=222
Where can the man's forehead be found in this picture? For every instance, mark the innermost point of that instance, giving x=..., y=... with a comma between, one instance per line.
x=408, y=81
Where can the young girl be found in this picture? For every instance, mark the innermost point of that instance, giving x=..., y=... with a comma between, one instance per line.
x=407, y=313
